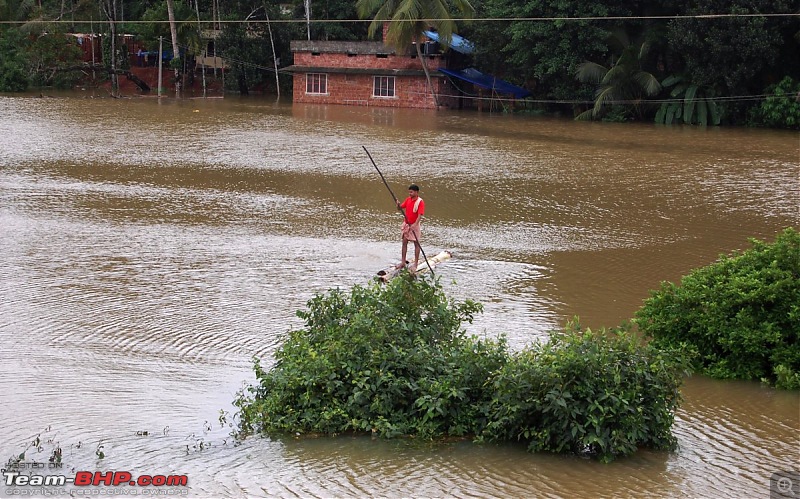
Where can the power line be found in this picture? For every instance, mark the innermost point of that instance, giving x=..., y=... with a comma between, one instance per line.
x=732, y=98
x=465, y=19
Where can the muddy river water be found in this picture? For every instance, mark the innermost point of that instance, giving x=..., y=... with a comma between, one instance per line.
x=148, y=250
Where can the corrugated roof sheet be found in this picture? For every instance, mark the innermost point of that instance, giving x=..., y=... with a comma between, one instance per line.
x=457, y=43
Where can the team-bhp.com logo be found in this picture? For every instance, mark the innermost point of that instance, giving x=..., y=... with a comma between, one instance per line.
x=117, y=479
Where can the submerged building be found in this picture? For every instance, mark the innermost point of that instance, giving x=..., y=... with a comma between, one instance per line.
x=373, y=74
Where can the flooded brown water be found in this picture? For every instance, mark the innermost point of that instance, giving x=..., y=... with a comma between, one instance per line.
x=149, y=249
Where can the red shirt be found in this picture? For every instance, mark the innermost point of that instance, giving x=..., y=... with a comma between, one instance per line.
x=408, y=207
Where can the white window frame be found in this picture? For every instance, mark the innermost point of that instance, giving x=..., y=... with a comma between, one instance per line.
x=386, y=91
x=318, y=81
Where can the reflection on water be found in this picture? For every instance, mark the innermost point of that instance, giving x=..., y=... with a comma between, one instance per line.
x=149, y=249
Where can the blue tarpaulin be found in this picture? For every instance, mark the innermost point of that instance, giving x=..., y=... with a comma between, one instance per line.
x=488, y=82
x=457, y=43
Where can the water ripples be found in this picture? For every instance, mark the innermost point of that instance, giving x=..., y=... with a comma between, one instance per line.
x=141, y=272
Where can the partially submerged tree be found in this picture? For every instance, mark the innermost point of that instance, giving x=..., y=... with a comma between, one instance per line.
x=689, y=103
x=741, y=313
x=624, y=83
x=729, y=55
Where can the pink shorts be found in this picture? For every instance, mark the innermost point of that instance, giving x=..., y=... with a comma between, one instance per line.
x=412, y=232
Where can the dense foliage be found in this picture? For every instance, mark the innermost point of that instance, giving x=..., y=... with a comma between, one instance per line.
x=741, y=314
x=12, y=63
x=690, y=104
x=604, y=394
x=733, y=56
x=781, y=108
x=41, y=60
x=390, y=360
x=544, y=54
x=393, y=360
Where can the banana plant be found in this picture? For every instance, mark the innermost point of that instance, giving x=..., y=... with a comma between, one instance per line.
x=689, y=104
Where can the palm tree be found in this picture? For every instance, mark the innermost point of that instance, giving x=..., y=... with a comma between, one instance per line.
x=16, y=10
x=625, y=81
x=408, y=19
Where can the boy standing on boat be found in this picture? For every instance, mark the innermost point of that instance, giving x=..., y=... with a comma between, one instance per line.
x=413, y=207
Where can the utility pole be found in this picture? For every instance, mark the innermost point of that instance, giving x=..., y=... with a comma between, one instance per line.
x=94, y=76
x=160, y=61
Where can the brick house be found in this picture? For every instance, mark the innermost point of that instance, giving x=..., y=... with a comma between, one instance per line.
x=368, y=74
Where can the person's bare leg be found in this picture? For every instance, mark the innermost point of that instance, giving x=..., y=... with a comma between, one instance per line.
x=416, y=255
x=403, y=254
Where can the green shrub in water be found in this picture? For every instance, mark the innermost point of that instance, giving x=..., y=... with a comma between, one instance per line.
x=741, y=313
x=388, y=359
x=393, y=360
x=602, y=393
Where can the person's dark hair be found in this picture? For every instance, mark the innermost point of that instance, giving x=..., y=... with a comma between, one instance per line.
x=413, y=187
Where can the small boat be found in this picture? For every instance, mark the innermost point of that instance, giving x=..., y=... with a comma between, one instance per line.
x=392, y=271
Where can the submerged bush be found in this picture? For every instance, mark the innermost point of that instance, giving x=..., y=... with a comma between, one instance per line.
x=387, y=359
x=741, y=313
x=393, y=360
x=598, y=393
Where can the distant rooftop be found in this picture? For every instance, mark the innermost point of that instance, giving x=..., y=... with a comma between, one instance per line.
x=338, y=47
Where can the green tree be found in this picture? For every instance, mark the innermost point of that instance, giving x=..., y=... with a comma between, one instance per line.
x=331, y=10
x=390, y=359
x=545, y=54
x=187, y=34
x=12, y=64
x=48, y=55
x=185, y=26
x=16, y=10
x=408, y=19
x=248, y=47
x=248, y=54
x=602, y=394
x=623, y=84
x=729, y=55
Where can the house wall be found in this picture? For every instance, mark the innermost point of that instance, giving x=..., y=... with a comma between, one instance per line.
x=356, y=89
